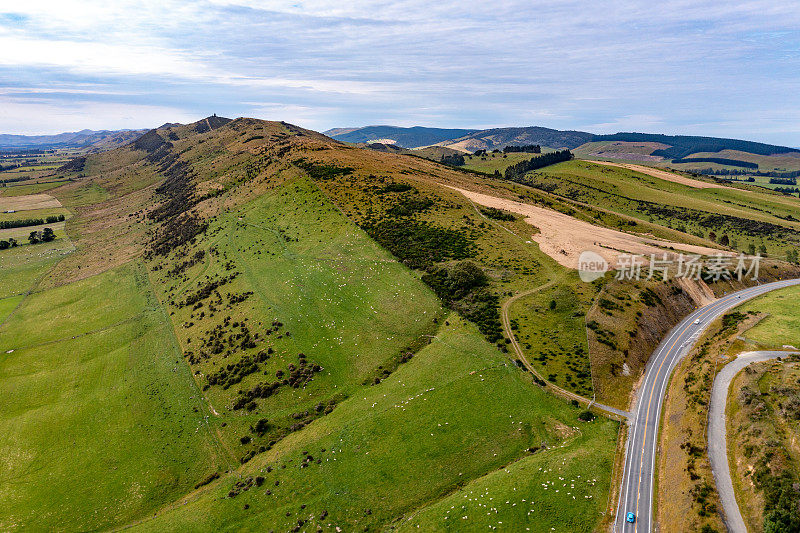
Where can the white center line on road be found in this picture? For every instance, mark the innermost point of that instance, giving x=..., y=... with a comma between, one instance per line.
x=636, y=488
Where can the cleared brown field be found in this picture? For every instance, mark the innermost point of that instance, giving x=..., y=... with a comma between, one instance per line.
x=563, y=237
x=27, y=202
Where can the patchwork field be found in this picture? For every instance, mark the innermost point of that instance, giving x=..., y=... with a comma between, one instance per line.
x=28, y=202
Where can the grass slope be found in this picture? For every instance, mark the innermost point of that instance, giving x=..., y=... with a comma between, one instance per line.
x=99, y=420
x=23, y=266
x=561, y=489
x=342, y=301
x=782, y=324
x=457, y=411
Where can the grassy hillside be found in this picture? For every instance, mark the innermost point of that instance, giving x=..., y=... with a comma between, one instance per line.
x=430, y=445
x=492, y=162
x=502, y=137
x=224, y=293
x=762, y=429
x=100, y=421
x=404, y=137
x=694, y=156
x=303, y=333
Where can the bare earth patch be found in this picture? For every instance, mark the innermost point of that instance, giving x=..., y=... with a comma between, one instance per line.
x=30, y=201
x=563, y=237
x=664, y=175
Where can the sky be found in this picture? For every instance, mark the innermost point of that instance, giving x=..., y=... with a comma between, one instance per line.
x=698, y=67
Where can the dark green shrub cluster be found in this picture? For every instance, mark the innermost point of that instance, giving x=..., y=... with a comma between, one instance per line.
x=649, y=298
x=497, y=214
x=180, y=267
x=731, y=320
x=296, y=376
x=395, y=187
x=207, y=289
x=409, y=205
x=232, y=374
x=456, y=160
x=319, y=171
x=463, y=288
x=419, y=244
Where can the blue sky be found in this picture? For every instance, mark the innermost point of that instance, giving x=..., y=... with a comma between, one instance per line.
x=682, y=67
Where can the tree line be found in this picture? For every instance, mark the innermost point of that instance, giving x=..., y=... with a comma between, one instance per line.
x=741, y=172
x=8, y=224
x=719, y=160
x=528, y=148
x=456, y=160
x=783, y=181
x=518, y=171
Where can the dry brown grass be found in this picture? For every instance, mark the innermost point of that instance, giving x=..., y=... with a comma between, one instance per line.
x=27, y=202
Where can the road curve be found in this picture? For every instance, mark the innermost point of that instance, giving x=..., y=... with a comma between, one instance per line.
x=636, y=490
x=717, y=443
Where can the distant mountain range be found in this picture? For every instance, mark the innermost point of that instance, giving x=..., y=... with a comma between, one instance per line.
x=694, y=153
x=73, y=140
x=499, y=138
x=490, y=139
x=709, y=154
x=403, y=137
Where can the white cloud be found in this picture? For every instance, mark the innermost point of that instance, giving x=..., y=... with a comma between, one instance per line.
x=562, y=64
x=51, y=117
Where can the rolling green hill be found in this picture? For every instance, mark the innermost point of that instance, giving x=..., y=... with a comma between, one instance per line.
x=248, y=325
x=243, y=353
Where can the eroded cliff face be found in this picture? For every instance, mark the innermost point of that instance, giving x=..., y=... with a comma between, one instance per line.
x=630, y=318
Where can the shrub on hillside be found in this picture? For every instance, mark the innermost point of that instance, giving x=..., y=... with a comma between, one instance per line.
x=497, y=214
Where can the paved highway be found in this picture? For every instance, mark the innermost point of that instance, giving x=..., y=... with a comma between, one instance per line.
x=636, y=491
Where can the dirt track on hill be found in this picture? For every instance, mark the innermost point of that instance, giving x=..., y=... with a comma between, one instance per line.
x=664, y=175
x=563, y=237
